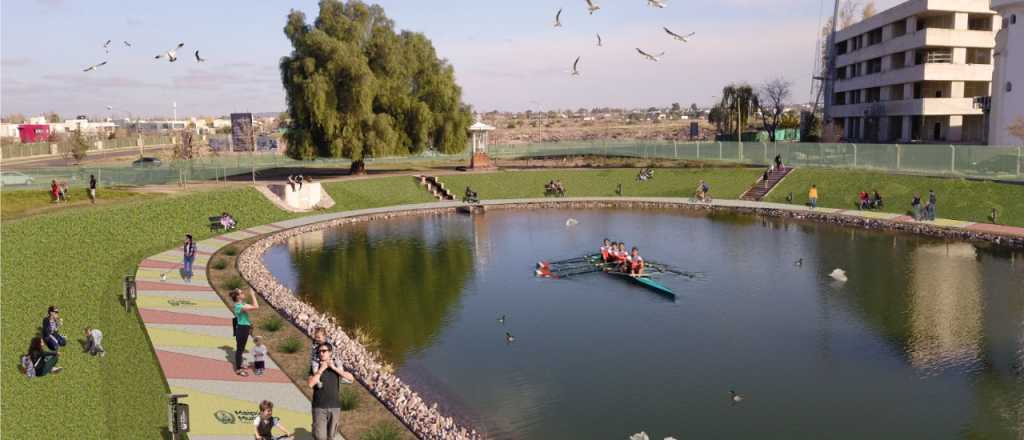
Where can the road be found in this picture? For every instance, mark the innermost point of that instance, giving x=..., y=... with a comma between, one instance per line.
x=94, y=156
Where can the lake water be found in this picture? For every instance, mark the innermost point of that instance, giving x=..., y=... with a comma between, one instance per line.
x=925, y=340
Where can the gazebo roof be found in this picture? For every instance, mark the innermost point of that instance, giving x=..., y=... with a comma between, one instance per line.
x=480, y=126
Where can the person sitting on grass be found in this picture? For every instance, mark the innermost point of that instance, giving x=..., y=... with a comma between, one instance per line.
x=51, y=329
x=266, y=422
x=42, y=362
x=876, y=201
x=94, y=342
x=471, y=196
x=54, y=191
x=865, y=201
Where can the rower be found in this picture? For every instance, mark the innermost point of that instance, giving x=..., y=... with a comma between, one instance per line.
x=636, y=263
x=622, y=257
x=606, y=250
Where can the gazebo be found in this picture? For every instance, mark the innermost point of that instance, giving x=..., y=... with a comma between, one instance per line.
x=480, y=136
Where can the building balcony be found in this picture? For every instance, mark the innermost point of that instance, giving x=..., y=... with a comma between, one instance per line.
x=930, y=37
x=920, y=72
x=908, y=107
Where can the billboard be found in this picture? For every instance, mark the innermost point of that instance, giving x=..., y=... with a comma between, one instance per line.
x=241, y=132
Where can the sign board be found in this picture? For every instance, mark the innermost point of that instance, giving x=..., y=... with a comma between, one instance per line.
x=241, y=131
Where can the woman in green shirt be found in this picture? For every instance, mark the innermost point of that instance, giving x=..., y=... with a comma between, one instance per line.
x=242, y=325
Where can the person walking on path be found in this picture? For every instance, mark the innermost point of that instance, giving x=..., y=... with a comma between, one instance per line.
x=92, y=188
x=326, y=384
x=931, y=204
x=51, y=329
x=812, y=196
x=244, y=325
x=190, y=257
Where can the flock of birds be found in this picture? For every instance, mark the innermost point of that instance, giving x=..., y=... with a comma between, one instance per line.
x=593, y=7
x=170, y=54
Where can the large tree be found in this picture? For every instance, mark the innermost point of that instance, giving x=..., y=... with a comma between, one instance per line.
x=772, y=98
x=356, y=88
x=741, y=100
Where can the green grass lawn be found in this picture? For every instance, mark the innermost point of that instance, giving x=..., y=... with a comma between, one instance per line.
x=19, y=203
x=376, y=192
x=726, y=183
x=957, y=198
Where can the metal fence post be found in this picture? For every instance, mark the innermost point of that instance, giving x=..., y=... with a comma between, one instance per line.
x=952, y=158
x=698, y=154
x=719, y=150
x=1019, y=150
x=765, y=152
x=854, y=155
x=899, y=154
x=821, y=154
x=675, y=149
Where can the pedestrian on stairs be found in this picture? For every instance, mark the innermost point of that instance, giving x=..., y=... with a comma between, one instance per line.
x=764, y=178
x=778, y=162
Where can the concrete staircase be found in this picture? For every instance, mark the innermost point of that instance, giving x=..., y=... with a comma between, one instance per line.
x=436, y=187
x=761, y=188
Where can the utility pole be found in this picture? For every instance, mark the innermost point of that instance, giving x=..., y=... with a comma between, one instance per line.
x=830, y=73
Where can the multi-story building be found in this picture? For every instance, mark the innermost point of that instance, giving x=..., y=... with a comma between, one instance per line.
x=1008, y=81
x=911, y=73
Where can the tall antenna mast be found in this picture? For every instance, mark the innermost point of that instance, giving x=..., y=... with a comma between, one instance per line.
x=830, y=73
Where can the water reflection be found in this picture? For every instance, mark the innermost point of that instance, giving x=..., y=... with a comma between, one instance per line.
x=396, y=284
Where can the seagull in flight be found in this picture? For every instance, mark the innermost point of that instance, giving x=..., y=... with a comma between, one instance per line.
x=127, y=44
x=599, y=43
x=198, y=59
x=683, y=38
x=110, y=107
x=558, y=18
x=591, y=7
x=654, y=58
x=106, y=46
x=172, y=54
x=575, y=71
x=94, y=67
x=660, y=4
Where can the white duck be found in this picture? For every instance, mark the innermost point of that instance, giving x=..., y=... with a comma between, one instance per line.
x=838, y=275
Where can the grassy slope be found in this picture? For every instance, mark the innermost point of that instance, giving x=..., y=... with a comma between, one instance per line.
x=726, y=183
x=19, y=203
x=957, y=198
x=90, y=250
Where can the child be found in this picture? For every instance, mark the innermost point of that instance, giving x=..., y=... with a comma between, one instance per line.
x=266, y=422
x=94, y=341
x=259, y=353
x=319, y=339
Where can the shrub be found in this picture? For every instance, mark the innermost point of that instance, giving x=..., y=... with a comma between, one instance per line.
x=272, y=325
x=349, y=399
x=234, y=283
x=219, y=264
x=290, y=345
x=382, y=431
x=231, y=251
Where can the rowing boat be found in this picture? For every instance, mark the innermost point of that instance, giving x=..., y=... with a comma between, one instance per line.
x=645, y=281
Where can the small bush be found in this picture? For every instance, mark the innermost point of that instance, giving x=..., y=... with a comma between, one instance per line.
x=234, y=283
x=272, y=325
x=349, y=398
x=290, y=345
x=382, y=431
x=219, y=264
x=231, y=251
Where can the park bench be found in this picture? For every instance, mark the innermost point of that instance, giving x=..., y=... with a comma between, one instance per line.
x=215, y=224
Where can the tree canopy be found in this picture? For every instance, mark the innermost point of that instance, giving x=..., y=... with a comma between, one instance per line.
x=356, y=88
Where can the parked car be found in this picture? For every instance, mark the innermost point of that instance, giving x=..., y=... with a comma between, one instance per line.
x=147, y=162
x=14, y=178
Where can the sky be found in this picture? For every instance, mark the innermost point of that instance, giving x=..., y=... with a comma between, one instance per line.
x=507, y=55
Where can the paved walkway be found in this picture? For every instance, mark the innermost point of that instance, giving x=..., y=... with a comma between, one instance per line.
x=190, y=327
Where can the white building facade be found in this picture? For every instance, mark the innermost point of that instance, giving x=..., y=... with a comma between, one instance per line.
x=911, y=73
x=1008, y=80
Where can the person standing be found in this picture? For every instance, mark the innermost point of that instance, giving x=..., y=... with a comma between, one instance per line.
x=915, y=207
x=931, y=204
x=812, y=196
x=326, y=384
x=51, y=329
x=190, y=256
x=244, y=325
x=778, y=162
x=92, y=188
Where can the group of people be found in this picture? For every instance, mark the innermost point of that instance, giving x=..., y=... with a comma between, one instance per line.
x=470, y=196
x=44, y=351
x=924, y=211
x=296, y=181
x=554, y=188
x=869, y=201
x=616, y=257
x=59, y=191
x=645, y=174
x=333, y=348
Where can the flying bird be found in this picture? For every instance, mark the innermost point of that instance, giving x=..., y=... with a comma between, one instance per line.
x=599, y=43
x=558, y=18
x=127, y=44
x=106, y=46
x=575, y=71
x=660, y=4
x=198, y=59
x=94, y=67
x=736, y=398
x=110, y=107
x=683, y=38
x=591, y=7
x=171, y=54
x=654, y=58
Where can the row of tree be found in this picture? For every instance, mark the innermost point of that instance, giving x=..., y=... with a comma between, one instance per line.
x=741, y=102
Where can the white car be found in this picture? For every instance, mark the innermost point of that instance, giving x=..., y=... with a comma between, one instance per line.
x=14, y=178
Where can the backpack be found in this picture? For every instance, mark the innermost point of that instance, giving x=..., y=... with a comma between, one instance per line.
x=30, y=369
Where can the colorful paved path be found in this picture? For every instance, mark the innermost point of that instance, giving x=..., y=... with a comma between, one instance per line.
x=190, y=326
